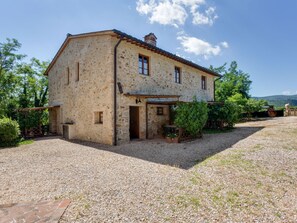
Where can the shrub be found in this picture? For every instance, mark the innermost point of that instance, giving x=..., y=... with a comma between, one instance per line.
x=247, y=105
x=191, y=116
x=9, y=132
x=230, y=113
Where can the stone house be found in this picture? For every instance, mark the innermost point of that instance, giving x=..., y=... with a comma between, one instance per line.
x=109, y=87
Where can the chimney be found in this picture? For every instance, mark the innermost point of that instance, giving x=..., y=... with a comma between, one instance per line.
x=151, y=39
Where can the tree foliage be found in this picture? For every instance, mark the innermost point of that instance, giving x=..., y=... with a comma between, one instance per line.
x=22, y=85
x=247, y=105
x=234, y=81
x=234, y=87
x=191, y=116
x=9, y=60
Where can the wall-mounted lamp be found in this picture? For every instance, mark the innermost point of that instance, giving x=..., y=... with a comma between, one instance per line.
x=138, y=100
x=120, y=87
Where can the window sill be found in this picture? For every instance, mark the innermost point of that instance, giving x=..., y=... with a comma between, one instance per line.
x=146, y=75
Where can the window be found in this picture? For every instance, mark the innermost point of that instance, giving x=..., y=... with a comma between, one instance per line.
x=143, y=65
x=203, y=82
x=67, y=76
x=160, y=111
x=98, y=117
x=77, y=71
x=177, y=75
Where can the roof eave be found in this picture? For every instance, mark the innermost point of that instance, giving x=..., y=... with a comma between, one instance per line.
x=131, y=39
x=165, y=53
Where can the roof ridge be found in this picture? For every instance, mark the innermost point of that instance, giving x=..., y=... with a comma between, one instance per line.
x=141, y=42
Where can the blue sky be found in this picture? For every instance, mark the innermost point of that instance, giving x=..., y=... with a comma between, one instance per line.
x=261, y=35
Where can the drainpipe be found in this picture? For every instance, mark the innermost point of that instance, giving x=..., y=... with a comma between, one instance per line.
x=115, y=92
x=214, y=88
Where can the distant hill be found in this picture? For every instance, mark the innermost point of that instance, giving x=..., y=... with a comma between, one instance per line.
x=280, y=100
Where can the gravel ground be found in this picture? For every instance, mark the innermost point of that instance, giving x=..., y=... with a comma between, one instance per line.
x=248, y=175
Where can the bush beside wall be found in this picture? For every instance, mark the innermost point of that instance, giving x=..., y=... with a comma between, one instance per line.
x=9, y=132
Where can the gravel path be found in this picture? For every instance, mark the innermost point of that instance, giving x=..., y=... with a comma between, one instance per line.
x=248, y=175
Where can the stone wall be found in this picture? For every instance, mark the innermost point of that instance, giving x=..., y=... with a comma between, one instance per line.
x=160, y=81
x=156, y=122
x=290, y=112
x=80, y=99
x=93, y=92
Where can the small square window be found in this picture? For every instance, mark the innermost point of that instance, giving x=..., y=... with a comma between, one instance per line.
x=98, y=117
x=160, y=111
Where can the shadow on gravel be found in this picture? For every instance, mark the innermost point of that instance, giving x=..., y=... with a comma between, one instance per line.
x=182, y=155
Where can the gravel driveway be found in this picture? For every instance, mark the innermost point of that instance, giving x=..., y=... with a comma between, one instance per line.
x=248, y=175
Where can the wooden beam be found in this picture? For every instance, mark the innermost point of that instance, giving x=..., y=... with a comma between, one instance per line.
x=151, y=95
x=162, y=102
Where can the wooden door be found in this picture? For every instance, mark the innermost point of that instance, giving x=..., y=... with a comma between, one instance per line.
x=134, y=122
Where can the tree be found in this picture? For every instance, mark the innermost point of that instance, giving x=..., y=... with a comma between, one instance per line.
x=33, y=84
x=9, y=61
x=22, y=85
x=33, y=93
x=234, y=81
x=234, y=86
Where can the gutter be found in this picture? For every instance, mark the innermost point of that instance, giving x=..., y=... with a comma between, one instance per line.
x=115, y=92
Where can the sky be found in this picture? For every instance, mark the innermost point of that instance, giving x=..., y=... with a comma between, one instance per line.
x=261, y=35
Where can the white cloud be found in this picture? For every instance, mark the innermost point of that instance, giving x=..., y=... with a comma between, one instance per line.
x=145, y=8
x=199, y=47
x=206, y=18
x=189, y=2
x=286, y=93
x=225, y=44
x=175, y=12
x=167, y=13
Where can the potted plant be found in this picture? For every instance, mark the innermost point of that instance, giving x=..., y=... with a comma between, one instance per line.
x=172, y=138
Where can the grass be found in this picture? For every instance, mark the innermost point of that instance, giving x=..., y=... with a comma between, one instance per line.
x=20, y=142
x=231, y=198
x=234, y=159
x=291, y=148
x=196, y=179
x=188, y=200
x=216, y=192
x=25, y=142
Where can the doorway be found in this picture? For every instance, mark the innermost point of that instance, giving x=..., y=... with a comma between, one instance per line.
x=134, y=122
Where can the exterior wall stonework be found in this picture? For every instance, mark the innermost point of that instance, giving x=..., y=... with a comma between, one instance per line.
x=93, y=92
x=160, y=82
x=79, y=100
x=156, y=122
